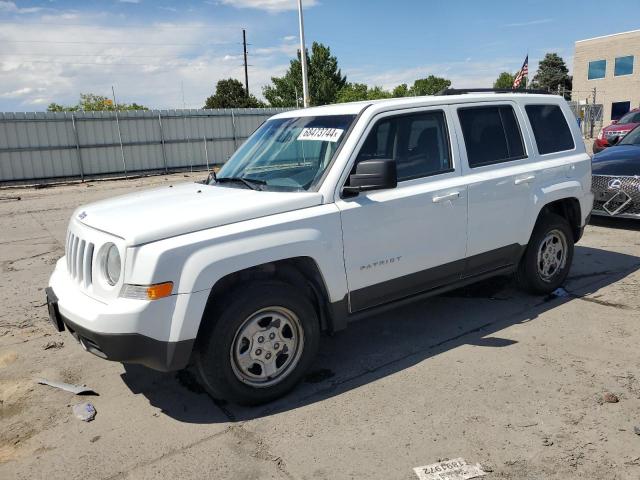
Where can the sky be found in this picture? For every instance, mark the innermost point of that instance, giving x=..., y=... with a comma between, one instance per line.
x=170, y=54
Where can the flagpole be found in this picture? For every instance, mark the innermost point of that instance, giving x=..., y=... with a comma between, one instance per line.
x=526, y=85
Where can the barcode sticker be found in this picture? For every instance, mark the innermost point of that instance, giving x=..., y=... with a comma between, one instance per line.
x=321, y=134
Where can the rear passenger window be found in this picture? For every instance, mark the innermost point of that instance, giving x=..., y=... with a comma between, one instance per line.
x=491, y=135
x=550, y=128
x=419, y=144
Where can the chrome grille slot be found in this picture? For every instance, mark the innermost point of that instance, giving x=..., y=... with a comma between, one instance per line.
x=88, y=263
x=79, y=254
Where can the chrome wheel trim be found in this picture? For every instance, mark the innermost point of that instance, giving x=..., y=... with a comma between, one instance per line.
x=552, y=255
x=267, y=347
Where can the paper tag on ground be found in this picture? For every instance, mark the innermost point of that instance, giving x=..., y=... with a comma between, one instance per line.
x=456, y=469
x=321, y=134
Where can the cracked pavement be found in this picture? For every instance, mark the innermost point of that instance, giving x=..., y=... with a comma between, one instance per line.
x=487, y=373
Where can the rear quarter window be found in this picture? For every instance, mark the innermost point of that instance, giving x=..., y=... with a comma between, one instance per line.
x=550, y=128
x=491, y=135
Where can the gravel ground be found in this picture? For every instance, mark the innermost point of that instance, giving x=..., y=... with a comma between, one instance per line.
x=487, y=373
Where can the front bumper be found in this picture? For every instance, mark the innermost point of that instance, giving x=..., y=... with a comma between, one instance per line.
x=128, y=331
x=616, y=196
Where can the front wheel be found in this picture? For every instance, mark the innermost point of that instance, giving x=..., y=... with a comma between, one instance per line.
x=259, y=344
x=547, y=259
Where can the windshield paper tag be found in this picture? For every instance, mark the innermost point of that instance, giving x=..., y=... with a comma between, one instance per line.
x=321, y=134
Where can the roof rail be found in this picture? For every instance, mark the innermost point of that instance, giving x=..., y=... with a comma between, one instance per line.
x=460, y=91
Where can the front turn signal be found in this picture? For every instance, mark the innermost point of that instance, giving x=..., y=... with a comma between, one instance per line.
x=147, y=292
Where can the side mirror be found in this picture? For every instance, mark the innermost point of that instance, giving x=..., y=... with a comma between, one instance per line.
x=614, y=122
x=211, y=176
x=378, y=174
x=613, y=140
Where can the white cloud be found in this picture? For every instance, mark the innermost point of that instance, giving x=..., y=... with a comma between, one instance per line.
x=20, y=92
x=11, y=7
x=531, y=22
x=269, y=5
x=147, y=65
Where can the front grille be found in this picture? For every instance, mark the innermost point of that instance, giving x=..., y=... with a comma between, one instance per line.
x=79, y=255
x=603, y=193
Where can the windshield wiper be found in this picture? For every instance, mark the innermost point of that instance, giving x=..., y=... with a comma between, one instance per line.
x=251, y=183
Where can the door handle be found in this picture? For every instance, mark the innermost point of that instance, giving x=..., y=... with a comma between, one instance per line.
x=444, y=198
x=527, y=179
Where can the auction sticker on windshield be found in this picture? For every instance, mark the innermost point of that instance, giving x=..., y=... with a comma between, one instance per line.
x=321, y=134
x=456, y=469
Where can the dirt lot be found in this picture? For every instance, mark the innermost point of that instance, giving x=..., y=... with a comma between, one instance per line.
x=487, y=373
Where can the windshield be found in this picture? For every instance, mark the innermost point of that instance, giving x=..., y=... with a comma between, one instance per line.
x=631, y=138
x=631, y=117
x=287, y=153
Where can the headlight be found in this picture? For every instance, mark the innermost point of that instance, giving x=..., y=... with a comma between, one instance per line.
x=111, y=264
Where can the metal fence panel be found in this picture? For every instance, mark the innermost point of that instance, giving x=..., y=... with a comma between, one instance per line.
x=44, y=146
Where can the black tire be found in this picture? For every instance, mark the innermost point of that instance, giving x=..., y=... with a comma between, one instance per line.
x=214, y=356
x=529, y=275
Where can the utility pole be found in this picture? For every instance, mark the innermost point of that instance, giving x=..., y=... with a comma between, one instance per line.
x=246, y=67
x=303, y=57
x=593, y=112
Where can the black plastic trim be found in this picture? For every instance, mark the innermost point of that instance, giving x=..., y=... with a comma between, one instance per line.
x=134, y=348
x=461, y=91
x=406, y=285
x=426, y=283
x=340, y=309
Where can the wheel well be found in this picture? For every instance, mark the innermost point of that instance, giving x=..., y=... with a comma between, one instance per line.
x=301, y=272
x=569, y=209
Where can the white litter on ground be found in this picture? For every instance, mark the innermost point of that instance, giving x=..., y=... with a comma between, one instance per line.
x=456, y=469
x=560, y=293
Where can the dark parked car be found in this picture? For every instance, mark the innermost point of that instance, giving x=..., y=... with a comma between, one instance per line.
x=616, y=178
x=617, y=130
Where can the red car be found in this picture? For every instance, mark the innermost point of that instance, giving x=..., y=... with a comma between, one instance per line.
x=617, y=130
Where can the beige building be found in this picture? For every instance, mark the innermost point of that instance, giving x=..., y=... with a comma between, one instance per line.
x=611, y=66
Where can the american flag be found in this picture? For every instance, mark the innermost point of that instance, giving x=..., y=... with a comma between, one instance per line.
x=524, y=71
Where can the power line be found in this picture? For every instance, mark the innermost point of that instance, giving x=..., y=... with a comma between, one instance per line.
x=65, y=42
x=184, y=64
x=99, y=54
x=139, y=26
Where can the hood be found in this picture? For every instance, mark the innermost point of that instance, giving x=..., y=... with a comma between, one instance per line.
x=165, y=212
x=617, y=160
x=620, y=127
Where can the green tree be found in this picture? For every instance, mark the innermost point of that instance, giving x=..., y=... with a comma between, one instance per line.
x=377, y=93
x=552, y=73
x=429, y=86
x=90, y=102
x=504, y=80
x=353, y=92
x=56, y=107
x=230, y=93
x=401, y=90
x=325, y=80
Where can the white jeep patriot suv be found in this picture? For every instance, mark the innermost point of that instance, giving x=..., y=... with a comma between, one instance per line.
x=322, y=216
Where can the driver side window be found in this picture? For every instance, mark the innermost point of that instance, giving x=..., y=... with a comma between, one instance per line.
x=418, y=143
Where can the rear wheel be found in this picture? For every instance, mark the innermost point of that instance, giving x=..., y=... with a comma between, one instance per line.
x=259, y=344
x=547, y=259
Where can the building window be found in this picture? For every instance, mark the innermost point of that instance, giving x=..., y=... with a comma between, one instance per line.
x=624, y=66
x=618, y=109
x=597, y=69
